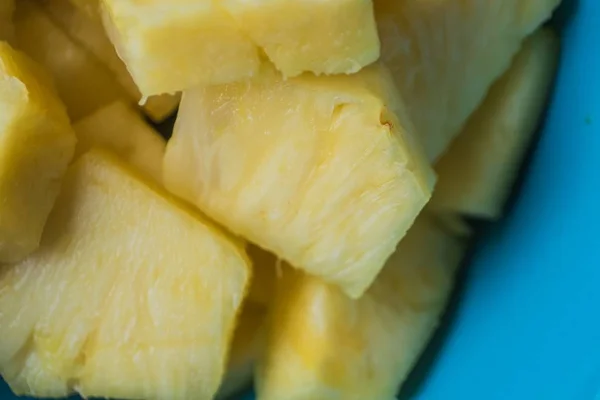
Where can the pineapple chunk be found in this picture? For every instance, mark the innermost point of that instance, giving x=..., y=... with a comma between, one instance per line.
x=445, y=55
x=265, y=267
x=319, y=170
x=90, y=7
x=174, y=46
x=36, y=145
x=323, y=345
x=119, y=128
x=480, y=168
x=7, y=8
x=83, y=83
x=129, y=296
x=88, y=32
x=248, y=342
x=323, y=37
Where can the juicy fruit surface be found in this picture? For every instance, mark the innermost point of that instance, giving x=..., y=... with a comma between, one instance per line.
x=83, y=83
x=329, y=37
x=210, y=42
x=323, y=345
x=247, y=344
x=129, y=295
x=477, y=173
x=319, y=170
x=119, y=128
x=36, y=145
x=445, y=55
x=87, y=31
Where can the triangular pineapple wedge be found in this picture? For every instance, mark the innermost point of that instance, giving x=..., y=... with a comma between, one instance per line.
x=323, y=345
x=121, y=129
x=130, y=295
x=248, y=343
x=188, y=43
x=480, y=168
x=36, y=145
x=83, y=83
x=7, y=8
x=88, y=32
x=445, y=55
x=321, y=171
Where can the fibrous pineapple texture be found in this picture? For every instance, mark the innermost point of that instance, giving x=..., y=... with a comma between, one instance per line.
x=319, y=170
x=323, y=345
x=479, y=170
x=89, y=33
x=121, y=129
x=129, y=296
x=83, y=83
x=172, y=45
x=36, y=145
x=445, y=55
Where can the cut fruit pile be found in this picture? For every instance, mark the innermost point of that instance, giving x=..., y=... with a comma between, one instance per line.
x=301, y=229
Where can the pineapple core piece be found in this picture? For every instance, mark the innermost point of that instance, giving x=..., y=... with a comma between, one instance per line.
x=129, y=296
x=169, y=46
x=83, y=83
x=445, y=55
x=248, y=342
x=36, y=145
x=7, y=8
x=319, y=170
x=480, y=168
x=89, y=33
x=323, y=345
x=119, y=128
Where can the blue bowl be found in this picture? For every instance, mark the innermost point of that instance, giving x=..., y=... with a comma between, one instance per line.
x=524, y=323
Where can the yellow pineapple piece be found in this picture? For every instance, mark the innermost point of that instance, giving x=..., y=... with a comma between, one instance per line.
x=479, y=170
x=325, y=37
x=7, y=8
x=323, y=345
x=119, y=128
x=265, y=272
x=36, y=145
x=83, y=83
x=445, y=55
x=88, y=32
x=248, y=342
x=172, y=46
x=318, y=170
x=130, y=295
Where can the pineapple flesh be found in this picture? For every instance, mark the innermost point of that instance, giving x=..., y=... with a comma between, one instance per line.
x=247, y=344
x=445, y=55
x=83, y=83
x=89, y=33
x=171, y=46
x=324, y=37
x=129, y=296
x=321, y=171
x=36, y=145
x=481, y=166
x=323, y=345
x=121, y=129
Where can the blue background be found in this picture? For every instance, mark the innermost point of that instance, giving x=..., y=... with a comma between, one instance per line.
x=525, y=323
